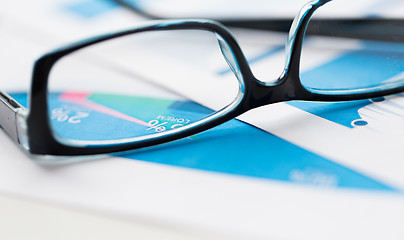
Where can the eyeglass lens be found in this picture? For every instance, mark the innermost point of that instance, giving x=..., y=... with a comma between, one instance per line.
x=363, y=50
x=127, y=87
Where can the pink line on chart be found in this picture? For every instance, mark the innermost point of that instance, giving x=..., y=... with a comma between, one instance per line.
x=81, y=99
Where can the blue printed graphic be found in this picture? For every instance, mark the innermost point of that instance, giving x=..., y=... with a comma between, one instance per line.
x=344, y=113
x=241, y=149
x=91, y=8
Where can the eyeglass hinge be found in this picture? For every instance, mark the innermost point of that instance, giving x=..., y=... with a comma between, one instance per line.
x=9, y=110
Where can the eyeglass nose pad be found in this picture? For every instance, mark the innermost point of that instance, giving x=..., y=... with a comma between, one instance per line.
x=229, y=57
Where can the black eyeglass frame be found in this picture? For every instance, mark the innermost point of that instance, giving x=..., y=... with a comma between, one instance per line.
x=41, y=140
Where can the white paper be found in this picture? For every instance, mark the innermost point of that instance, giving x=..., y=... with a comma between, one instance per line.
x=236, y=206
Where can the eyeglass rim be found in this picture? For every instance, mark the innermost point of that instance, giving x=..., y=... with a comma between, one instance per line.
x=41, y=138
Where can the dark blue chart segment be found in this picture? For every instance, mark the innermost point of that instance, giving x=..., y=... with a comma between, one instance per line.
x=343, y=113
x=240, y=149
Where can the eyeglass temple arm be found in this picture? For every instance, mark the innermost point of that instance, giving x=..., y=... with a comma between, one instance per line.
x=360, y=28
x=378, y=29
x=9, y=109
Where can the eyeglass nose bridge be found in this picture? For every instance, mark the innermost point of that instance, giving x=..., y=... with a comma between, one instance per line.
x=285, y=89
x=288, y=86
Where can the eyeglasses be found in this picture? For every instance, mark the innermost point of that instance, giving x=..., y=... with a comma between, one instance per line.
x=171, y=79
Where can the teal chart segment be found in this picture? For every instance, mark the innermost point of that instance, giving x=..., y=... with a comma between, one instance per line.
x=233, y=148
x=88, y=116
